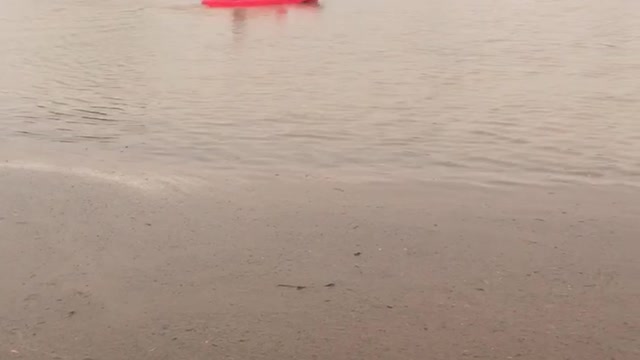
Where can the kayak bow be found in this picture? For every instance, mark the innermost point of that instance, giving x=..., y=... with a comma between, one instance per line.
x=252, y=3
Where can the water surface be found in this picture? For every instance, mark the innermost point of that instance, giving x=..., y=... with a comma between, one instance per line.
x=477, y=91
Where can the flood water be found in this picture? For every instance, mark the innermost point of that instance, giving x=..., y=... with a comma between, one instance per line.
x=526, y=91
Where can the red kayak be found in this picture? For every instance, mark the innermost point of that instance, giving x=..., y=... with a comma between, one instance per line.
x=252, y=3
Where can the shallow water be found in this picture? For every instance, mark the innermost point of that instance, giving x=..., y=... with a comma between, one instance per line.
x=476, y=91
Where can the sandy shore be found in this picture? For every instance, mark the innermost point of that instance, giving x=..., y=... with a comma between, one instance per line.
x=109, y=267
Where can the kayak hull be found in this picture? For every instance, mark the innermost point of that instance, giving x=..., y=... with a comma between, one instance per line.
x=251, y=3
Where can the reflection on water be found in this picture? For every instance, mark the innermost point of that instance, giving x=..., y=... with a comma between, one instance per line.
x=239, y=20
x=240, y=16
x=474, y=91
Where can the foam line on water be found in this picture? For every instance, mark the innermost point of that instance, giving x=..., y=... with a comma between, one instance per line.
x=147, y=182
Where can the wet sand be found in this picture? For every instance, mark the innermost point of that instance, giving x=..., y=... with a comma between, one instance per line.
x=110, y=267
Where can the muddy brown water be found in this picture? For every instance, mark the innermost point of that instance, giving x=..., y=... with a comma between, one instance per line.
x=476, y=91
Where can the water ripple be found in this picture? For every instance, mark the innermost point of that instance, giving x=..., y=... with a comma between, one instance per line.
x=515, y=92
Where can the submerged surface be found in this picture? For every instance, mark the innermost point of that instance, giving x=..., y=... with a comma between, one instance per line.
x=91, y=269
x=481, y=91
